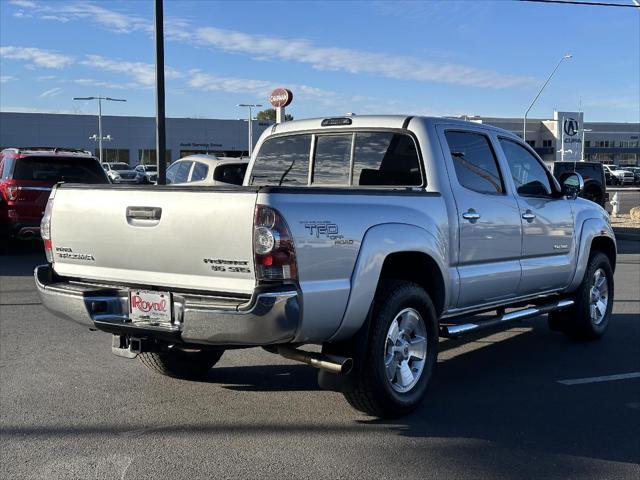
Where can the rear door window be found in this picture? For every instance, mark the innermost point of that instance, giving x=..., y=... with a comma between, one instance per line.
x=331, y=162
x=475, y=162
x=182, y=173
x=282, y=161
x=200, y=171
x=386, y=159
x=59, y=169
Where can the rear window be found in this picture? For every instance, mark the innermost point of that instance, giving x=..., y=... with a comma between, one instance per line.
x=120, y=166
x=386, y=159
x=376, y=159
x=283, y=161
x=59, y=169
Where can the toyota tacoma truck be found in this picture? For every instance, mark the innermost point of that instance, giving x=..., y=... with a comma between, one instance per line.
x=366, y=237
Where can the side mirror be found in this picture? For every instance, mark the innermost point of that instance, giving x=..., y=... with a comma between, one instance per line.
x=572, y=185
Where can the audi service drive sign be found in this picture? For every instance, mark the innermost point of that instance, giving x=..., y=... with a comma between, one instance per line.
x=281, y=97
x=569, y=136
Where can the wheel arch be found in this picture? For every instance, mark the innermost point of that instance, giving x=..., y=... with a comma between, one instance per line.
x=596, y=234
x=394, y=251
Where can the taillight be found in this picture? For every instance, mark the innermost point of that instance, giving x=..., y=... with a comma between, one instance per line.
x=275, y=256
x=9, y=191
x=45, y=228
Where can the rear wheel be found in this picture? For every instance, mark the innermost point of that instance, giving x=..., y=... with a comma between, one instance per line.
x=589, y=317
x=401, y=353
x=181, y=364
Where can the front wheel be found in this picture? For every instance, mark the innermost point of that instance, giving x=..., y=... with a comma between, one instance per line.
x=181, y=364
x=589, y=317
x=401, y=353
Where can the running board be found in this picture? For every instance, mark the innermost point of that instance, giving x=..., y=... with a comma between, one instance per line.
x=453, y=331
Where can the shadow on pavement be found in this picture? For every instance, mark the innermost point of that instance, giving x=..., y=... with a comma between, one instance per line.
x=22, y=258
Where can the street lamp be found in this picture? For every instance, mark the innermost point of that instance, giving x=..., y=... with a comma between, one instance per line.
x=99, y=98
x=524, y=123
x=250, y=106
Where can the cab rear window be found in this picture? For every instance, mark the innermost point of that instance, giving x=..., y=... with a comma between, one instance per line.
x=345, y=159
x=59, y=169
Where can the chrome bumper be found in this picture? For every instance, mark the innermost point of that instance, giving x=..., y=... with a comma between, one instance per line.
x=269, y=317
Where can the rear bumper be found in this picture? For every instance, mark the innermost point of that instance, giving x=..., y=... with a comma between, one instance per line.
x=269, y=317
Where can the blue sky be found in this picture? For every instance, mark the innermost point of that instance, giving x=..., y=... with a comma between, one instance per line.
x=434, y=57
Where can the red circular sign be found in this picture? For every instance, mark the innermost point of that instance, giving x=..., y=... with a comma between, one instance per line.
x=281, y=97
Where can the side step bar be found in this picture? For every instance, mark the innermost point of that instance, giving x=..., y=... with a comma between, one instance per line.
x=454, y=331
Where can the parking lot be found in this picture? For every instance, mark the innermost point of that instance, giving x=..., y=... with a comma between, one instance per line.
x=498, y=407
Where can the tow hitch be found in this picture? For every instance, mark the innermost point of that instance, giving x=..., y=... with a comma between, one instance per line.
x=125, y=346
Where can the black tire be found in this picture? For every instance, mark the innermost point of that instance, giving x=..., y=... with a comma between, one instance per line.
x=180, y=364
x=577, y=322
x=374, y=393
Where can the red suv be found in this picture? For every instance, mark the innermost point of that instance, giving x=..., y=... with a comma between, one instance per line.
x=26, y=178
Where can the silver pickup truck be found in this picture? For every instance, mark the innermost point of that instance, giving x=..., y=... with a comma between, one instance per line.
x=370, y=236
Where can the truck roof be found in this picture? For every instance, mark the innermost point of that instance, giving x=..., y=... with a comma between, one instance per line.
x=375, y=121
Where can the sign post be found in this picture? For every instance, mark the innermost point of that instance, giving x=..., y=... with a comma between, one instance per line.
x=569, y=128
x=280, y=98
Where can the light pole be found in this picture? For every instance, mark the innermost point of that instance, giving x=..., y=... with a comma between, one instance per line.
x=99, y=98
x=524, y=122
x=584, y=130
x=250, y=106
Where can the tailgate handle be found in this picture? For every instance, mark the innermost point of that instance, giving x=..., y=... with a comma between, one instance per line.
x=144, y=213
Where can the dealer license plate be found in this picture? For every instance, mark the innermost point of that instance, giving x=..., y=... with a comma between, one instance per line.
x=149, y=306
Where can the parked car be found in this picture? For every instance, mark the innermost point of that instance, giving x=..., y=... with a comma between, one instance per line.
x=595, y=185
x=150, y=172
x=619, y=176
x=26, y=178
x=207, y=170
x=120, y=172
x=370, y=236
x=636, y=174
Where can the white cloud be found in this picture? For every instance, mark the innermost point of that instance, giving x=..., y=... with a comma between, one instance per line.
x=86, y=11
x=265, y=47
x=398, y=67
x=90, y=82
x=207, y=82
x=7, y=78
x=51, y=93
x=46, y=78
x=24, y=3
x=142, y=73
x=38, y=57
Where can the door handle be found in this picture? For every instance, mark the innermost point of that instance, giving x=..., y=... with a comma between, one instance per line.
x=144, y=213
x=529, y=216
x=471, y=215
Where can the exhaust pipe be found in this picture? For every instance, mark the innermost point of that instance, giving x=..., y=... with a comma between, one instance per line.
x=330, y=363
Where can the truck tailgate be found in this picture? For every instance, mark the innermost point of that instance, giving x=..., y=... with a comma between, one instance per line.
x=179, y=237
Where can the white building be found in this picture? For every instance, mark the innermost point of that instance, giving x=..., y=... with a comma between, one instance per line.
x=133, y=138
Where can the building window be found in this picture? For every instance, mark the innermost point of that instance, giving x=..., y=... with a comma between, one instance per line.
x=546, y=143
x=148, y=156
x=531, y=143
x=113, y=155
x=587, y=143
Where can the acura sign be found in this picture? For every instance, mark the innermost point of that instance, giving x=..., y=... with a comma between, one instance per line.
x=568, y=136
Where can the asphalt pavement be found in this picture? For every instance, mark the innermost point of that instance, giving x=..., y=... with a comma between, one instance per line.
x=502, y=405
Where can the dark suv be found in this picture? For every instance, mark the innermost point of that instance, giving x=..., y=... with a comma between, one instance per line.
x=26, y=178
x=595, y=184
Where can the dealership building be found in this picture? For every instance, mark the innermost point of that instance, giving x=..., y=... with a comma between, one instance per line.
x=606, y=142
x=133, y=138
